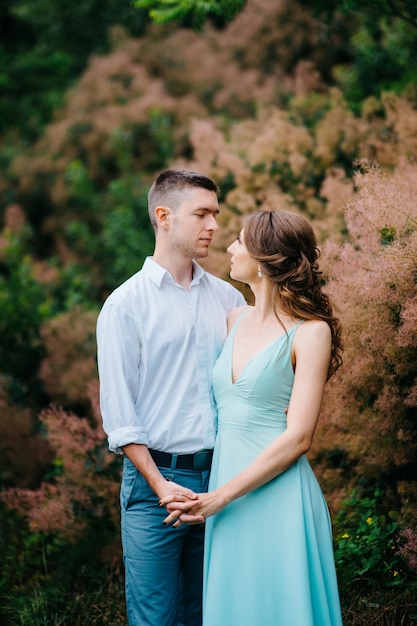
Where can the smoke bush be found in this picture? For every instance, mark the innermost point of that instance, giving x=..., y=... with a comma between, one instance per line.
x=372, y=406
x=82, y=485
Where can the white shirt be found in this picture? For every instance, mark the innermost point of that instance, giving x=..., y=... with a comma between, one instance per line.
x=157, y=345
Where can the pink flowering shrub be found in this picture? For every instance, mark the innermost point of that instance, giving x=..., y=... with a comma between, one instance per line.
x=24, y=453
x=276, y=160
x=409, y=549
x=83, y=486
x=371, y=407
x=82, y=482
x=69, y=364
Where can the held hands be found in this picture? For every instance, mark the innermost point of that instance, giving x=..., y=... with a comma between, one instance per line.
x=184, y=511
x=181, y=508
x=172, y=496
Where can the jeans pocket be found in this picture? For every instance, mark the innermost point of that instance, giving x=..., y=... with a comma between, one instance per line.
x=129, y=478
x=167, y=473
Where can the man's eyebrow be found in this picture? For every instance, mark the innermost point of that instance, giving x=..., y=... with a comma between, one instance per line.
x=203, y=208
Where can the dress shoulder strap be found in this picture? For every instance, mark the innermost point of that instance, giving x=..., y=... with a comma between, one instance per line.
x=239, y=319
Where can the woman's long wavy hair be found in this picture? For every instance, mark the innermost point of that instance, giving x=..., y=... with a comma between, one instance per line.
x=286, y=248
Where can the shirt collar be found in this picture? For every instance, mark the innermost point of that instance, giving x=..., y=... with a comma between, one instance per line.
x=157, y=273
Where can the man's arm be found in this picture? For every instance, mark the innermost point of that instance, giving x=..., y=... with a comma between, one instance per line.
x=118, y=364
x=118, y=359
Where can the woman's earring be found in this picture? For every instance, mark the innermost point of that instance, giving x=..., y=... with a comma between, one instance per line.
x=259, y=271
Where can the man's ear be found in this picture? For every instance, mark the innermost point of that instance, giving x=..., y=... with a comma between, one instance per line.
x=163, y=216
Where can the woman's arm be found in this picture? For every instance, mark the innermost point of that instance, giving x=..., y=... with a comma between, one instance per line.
x=311, y=353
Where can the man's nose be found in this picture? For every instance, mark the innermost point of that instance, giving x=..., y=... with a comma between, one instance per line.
x=212, y=224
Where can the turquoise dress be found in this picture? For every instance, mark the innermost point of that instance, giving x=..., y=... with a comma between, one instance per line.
x=269, y=554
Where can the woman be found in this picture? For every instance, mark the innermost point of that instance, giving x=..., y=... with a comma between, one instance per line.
x=268, y=552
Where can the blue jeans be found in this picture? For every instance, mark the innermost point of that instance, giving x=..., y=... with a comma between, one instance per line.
x=162, y=563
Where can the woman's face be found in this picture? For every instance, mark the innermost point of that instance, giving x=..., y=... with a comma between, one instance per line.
x=243, y=267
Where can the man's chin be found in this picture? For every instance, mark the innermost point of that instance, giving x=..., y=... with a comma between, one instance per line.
x=201, y=254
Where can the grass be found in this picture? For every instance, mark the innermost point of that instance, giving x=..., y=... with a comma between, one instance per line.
x=95, y=602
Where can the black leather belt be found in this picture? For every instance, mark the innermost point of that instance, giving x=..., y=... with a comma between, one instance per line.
x=198, y=461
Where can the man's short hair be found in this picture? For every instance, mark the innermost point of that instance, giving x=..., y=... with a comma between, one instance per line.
x=168, y=189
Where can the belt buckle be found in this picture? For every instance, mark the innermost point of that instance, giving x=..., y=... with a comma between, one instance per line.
x=202, y=460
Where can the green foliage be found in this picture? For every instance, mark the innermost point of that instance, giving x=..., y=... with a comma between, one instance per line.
x=44, y=45
x=24, y=308
x=387, y=235
x=383, y=56
x=127, y=236
x=114, y=236
x=16, y=550
x=161, y=136
x=192, y=13
x=31, y=87
x=366, y=543
x=76, y=286
x=376, y=585
x=402, y=9
x=82, y=189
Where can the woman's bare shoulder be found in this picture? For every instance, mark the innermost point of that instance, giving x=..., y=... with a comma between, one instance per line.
x=314, y=331
x=234, y=316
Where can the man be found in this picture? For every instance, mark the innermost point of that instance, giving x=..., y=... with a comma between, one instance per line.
x=158, y=337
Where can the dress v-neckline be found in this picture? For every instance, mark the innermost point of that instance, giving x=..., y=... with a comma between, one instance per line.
x=264, y=349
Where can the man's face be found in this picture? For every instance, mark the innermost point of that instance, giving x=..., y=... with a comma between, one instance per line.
x=194, y=223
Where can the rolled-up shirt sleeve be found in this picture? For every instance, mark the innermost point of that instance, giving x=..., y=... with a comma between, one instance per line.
x=118, y=358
